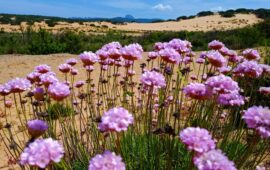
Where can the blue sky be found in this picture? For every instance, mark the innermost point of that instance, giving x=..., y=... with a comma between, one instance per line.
x=112, y=8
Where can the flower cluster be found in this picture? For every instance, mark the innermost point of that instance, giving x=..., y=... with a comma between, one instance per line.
x=258, y=118
x=42, y=152
x=36, y=127
x=58, y=91
x=117, y=119
x=153, y=78
x=248, y=68
x=197, y=91
x=216, y=59
x=106, y=161
x=19, y=85
x=197, y=139
x=213, y=160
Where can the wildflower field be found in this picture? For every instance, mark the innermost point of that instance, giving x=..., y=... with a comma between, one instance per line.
x=179, y=110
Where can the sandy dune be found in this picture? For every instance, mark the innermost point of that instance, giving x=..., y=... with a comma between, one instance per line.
x=207, y=23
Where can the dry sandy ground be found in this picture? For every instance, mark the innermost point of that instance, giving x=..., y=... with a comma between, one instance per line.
x=207, y=23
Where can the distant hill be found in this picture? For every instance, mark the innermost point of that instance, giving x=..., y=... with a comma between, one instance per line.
x=16, y=19
x=260, y=13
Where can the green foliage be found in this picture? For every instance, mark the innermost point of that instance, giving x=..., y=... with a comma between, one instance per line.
x=154, y=152
x=57, y=110
x=205, y=13
x=43, y=42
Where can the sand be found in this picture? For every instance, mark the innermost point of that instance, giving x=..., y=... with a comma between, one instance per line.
x=207, y=23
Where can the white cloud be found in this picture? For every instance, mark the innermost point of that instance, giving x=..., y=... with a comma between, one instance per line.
x=162, y=7
x=218, y=8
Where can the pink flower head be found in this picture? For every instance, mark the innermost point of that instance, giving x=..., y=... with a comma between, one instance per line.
x=197, y=91
x=48, y=78
x=106, y=161
x=102, y=54
x=64, y=68
x=160, y=46
x=197, y=139
x=222, y=84
x=39, y=93
x=225, y=69
x=33, y=77
x=114, y=53
x=265, y=90
x=216, y=59
x=266, y=69
x=215, y=45
x=72, y=61
x=200, y=60
x=153, y=78
x=74, y=71
x=58, y=91
x=44, y=68
x=153, y=55
x=230, y=99
x=18, y=85
x=132, y=52
x=79, y=84
x=236, y=59
x=182, y=46
x=251, y=54
x=213, y=160
x=36, y=127
x=8, y=103
x=258, y=118
x=116, y=119
x=170, y=55
x=88, y=58
x=248, y=68
x=224, y=51
x=42, y=152
x=5, y=89
x=111, y=45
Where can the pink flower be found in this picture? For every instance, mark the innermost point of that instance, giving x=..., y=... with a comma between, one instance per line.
x=132, y=52
x=64, y=68
x=39, y=93
x=248, y=68
x=170, y=55
x=33, y=77
x=230, y=99
x=224, y=50
x=106, y=161
x=8, y=104
x=216, y=59
x=197, y=139
x=197, y=91
x=222, y=84
x=72, y=61
x=5, y=89
x=89, y=68
x=44, y=68
x=152, y=78
x=19, y=85
x=117, y=119
x=213, y=160
x=179, y=45
x=159, y=46
x=111, y=45
x=79, y=84
x=266, y=69
x=215, y=45
x=36, y=127
x=200, y=60
x=236, y=59
x=265, y=90
x=225, y=69
x=42, y=152
x=58, y=91
x=102, y=54
x=258, y=118
x=251, y=54
x=74, y=71
x=88, y=58
x=48, y=78
x=153, y=55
